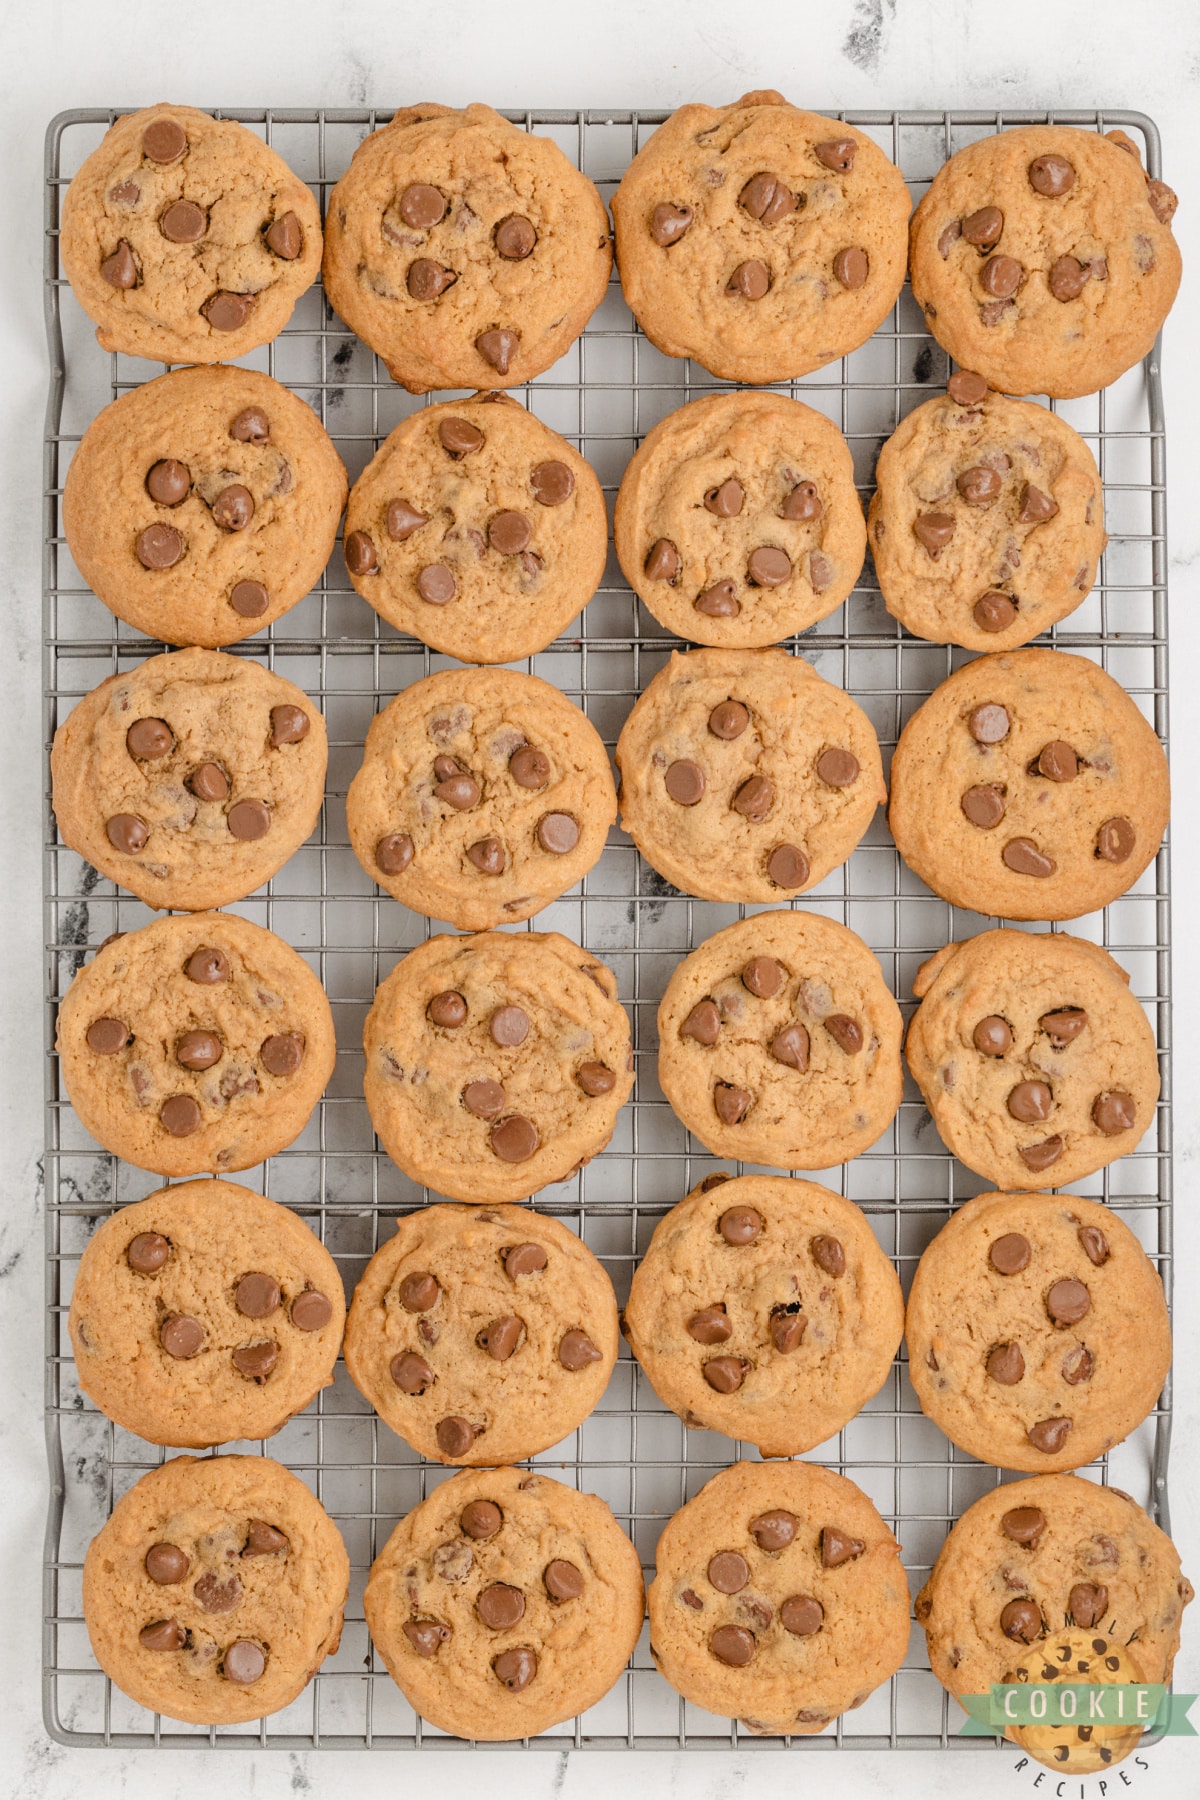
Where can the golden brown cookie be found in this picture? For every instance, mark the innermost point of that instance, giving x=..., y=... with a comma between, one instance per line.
x=191, y=779
x=203, y=505
x=1034, y=1562
x=483, y=795
x=1076, y=1656
x=745, y=776
x=765, y=1309
x=496, y=1064
x=505, y=1603
x=196, y=1044
x=1037, y=1330
x=215, y=1591
x=1029, y=786
x=205, y=1315
x=465, y=251
x=738, y=522
x=1036, y=1062
x=779, y=1599
x=759, y=239
x=482, y=1335
x=186, y=238
x=987, y=520
x=1044, y=258
x=477, y=529
x=779, y=1043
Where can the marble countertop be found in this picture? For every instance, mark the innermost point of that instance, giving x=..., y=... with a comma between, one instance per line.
x=60, y=53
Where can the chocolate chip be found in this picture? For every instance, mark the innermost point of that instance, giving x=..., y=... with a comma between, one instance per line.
x=750, y=280
x=787, y=1329
x=158, y=547
x=501, y=1606
x=501, y=1337
x=719, y=601
x=401, y=520
x=728, y=1572
x=787, y=866
x=284, y=237
x=461, y=792
x=421, y=206
x=703, y=1023
x=685, y=783
x=447, y=1009
x=255, y=1361
x=183, y=222
x=994, y=611
x=427, y=279
x=1001, y=276
x=731, y=1103
x=411, y=1373
x=828, y=1254
x=484, y=1099
x=710, y=1325
x=163, y=1634
x=1051, y=175
x=529, y=768
x=180, y=1115
x=436, y=584
x=166, y=1564
x=164, y=140
x=1115, y=840
x=837, y=154
x=668, y=223
x=248, y=820
x=846, y=1032
x=227, y=312
x=983, y=228
x=120, y=270
x=1078, y=1365
x=1067, y=277
x=198, y=1050
x=1005, y=1364
x=791, y=1046
x=596, y=1079
x=147, y=1252
x=763, y=976
x=481, y=1519
x=733, y=1644
x=394, y=852
x=180, y=1336
x=487, y=856
x=418, y=1292
x=1024, y=1524
x=1036, y=507
x=311, y=1310
x=1049, y=1435
x=934, y=530
x=509, y=533
x=426, y=1635
x=1068, y=1301
x=851, y=267
x=662, y=562
x=1040, y=1156
x=767, y=199
x=251, y=426
x=558, y=833
x=768, y=566
x=726, y=501
x=754, y=798
x=524, y=1259
x=249, y=599
x=1095, y=1244
x=1023, y=857
x=1010, y=1254
x=1163, y=201
x=106, y=1036
x=837, y=768
x=838, y=1547
x=1030, y=1102
x=803, y=503
x=282, y=1053
x=509, y=1026
x=208, y=782
x=127, y=833
x=979, y=486
x=966, y=388
x=562, y=1580
x=244, y=1662
x=1087, y=1604
x=515, y=1669
x=992, y=1036
x=1021, y=1620
x=576, y=1350
x=169, y=482
x=801, y=1615
x=773, y=1530
x=514, y=1139
x=1057, y=761
x=1114, y=1112
x=740, y=1225
x=724, y=1374
x=498, y=348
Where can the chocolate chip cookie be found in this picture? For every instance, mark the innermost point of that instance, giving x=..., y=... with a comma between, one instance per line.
x=1037, y=1331
x=779, y=1043
x=1034, y=1560
x=205, y=1315
x=505, y=1603
x=190, y=779
x=1036, y=1062
x=761, y=240
x=1044, y=258
x=477, y=529
x=738, y=522
x=496, y=1064
x=1029, y=786
x=745, y=776
x=197, y=1043
x=987, y=520
x=186, y=238
x=482, y=1336
x=215, y=1591
x=764, y=1309
x=203, y=505
x=483, y=795
x=1077, y=1655
x=779, y=1599
x=465, y=251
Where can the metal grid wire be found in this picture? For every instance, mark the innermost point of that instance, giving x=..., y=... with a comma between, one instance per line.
x=603, y=395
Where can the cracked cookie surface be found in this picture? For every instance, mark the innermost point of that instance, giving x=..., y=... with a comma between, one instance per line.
x=197, y=1043
x=745, y=776
x=738, y=522
x=505, y=1603
x=779, y=1599
x=482, y=1336
x=216, y=1590
x=765, y=1309
x=187, y=239
x=1037, y=1064
x=759, y=239
x=1044, y=258
x=205, y=1314
x=483, y=795
x=1037, y=1330
x=191, y=779
x=497, y=1063
x=204, y=504
x=987, y=520
x=1029, y=786
x=465, y=251
x=779, y=1042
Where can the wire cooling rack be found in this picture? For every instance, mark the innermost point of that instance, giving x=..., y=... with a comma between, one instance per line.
x=603, y=395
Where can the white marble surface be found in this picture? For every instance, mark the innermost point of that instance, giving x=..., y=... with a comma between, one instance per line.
x=59, y=53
